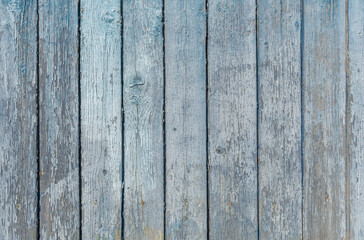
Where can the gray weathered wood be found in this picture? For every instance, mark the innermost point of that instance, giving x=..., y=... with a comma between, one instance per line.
x=279, y=74
x=59, y=121
x=143, y=109
x=355, y=131
x=232, y=119
x=186, y=197
x=324, y=82
x=18, y=120
x=101, y=137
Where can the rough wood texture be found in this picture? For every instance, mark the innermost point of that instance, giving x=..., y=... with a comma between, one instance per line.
x=59, y=122
x=324, y=82
x=232, y=118
x=279, y=74
x=143, y=109
x=101, y=136
x=18, y=120
x=355, y=131
x=186, y=197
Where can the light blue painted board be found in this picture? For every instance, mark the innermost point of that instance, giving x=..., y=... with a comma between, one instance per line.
x=279, y=74
x=232, y=119
x=59, y=119
x=143, y=111
x=355, y=131
x=324, y=81
x=186, y=185
x=101, y=118
x=18, y=119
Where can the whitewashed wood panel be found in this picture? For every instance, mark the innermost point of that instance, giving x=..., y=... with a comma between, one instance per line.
x=232, y=119
x=59, y=119
x=18, y=120
x=143, y=110
x=185, y=103
x=101, y=119
x=279, y=76
x=324, y=81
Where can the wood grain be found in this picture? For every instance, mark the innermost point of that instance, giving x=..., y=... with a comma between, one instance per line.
x=232, y=119
x=18, y=120
x=59, y=119
x=101, y=113
x=143, y=109
x=185, y=57
x=355, y=130
x=279, y=74
x=324, y=80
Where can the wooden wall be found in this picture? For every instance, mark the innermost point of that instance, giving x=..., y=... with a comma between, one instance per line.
x=181, y=119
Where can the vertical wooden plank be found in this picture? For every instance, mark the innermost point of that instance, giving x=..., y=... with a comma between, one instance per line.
x=279, y=74
x=143, y=124
x=355, y=129
x=232, y=119
x=101, y=134
x=18, y=119
x=186, y=197
x=324, y=80
x=59, y=121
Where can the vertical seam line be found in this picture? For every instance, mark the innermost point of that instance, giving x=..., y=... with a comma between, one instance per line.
x=258, y=113
x=302, y=117
x=38, y=125
x=347, y=122
x=164, y=122
x=207, y=120
x=122, y=124
x=79, y=121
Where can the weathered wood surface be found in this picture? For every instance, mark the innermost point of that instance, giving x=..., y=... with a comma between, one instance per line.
x=279, y=77
x=18, y=120
x=58, y=119
x=101, y=118
x=143, y=126
x=324, y=89
x=232, y=119
x=355, y=114
x=185, y=105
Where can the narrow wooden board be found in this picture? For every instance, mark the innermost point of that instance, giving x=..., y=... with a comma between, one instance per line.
x=324, y=80
x=279, y=74
x=143, y=110
x=101, y=118
x=232, y=119
x=355, y=131
x=18, y=120
x=185, y=57
x=59, y=121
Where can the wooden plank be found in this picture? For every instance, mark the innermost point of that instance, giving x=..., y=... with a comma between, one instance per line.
x=355, y=131
x=232, y=119
x=59, y=121
x=143, y=124
x=101, y=129
x=18, y=120
x=279, y=74
x=186, y=195
x=324, y=81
